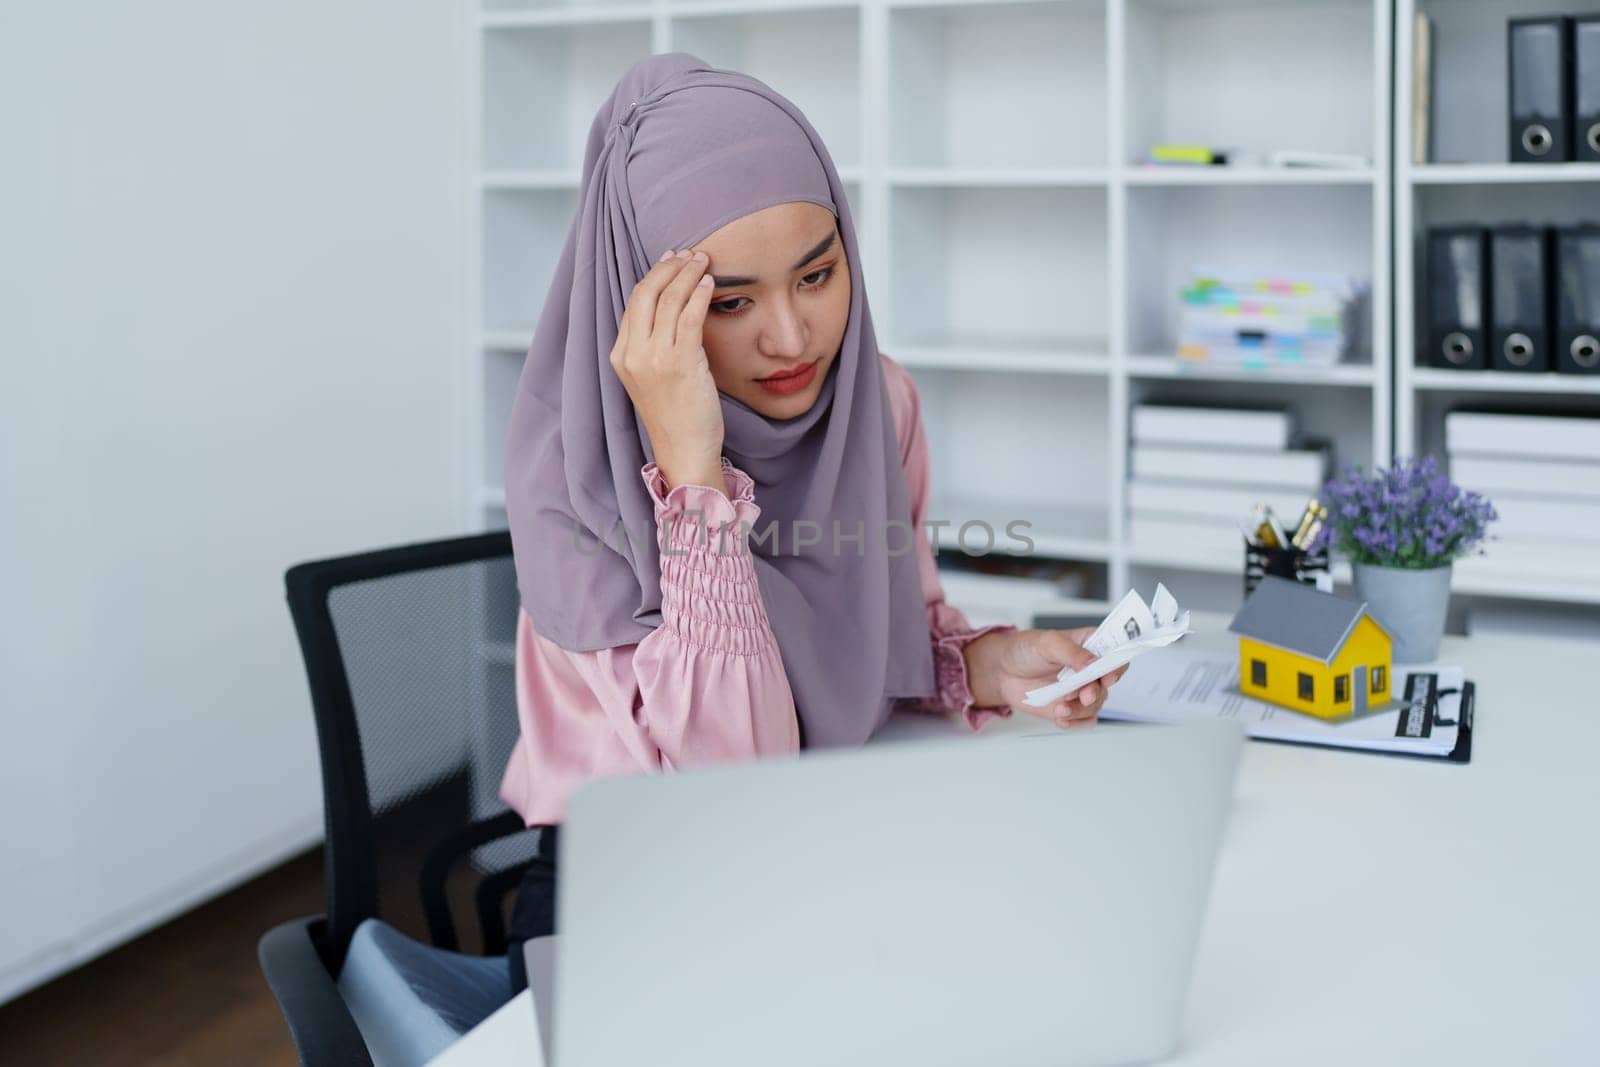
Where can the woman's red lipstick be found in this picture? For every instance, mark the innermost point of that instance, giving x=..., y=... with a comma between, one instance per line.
x=790, y=383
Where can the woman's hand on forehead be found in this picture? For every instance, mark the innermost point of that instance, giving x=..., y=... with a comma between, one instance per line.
x=660, y=357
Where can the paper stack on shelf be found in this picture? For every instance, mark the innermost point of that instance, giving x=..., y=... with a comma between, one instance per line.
x=1542, y=472
x=1302, y=158
x=1195, y=472
x=1276, y=320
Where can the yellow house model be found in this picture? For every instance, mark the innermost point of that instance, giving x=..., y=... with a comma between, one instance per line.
x=1311, y=651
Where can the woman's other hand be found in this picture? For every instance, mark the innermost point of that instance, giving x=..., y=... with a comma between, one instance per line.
x=662, y=363
x=1003, y=666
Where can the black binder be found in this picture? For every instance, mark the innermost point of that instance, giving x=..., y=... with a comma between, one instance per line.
x=1586, y=88
x=1539, y=80
x=1577, y=275
x=1519, y=309
x=1458, y=298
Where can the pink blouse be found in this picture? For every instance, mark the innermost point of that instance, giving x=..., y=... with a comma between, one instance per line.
x=708, y=684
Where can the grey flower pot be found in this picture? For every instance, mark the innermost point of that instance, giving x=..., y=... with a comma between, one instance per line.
x=1411, y=605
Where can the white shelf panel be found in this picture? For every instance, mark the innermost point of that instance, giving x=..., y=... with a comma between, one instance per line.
x=1437, y=378
x=1173, y=175
x=1015, y=267
x=585, y=15
x=915, y=5
x=1208, y=561
x=1354, y=375
x=511, y=180
x=507, y=339
x=1067, y=532
x=523, y=231
x=990, y=598
x=1508, y=203
x=1023, y=84
x=492, y=7
x=1197, y=558
x=1010, y=446
x=501, y=371
x=1087, y=359
x=1485, y=577
x=696, y=8
x=492, y=496
x=541, y=84
x=1219, y=5
x=1501, y=173
x=978, y=177
x=1253, y=76
x=810, y=53
x=1075, y=605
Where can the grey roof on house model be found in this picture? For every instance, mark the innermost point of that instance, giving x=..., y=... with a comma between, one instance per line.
x=1298, y=618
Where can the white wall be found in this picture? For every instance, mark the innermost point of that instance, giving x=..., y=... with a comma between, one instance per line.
x=231, y=270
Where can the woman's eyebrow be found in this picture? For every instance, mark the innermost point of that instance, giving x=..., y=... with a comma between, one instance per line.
x=723, y=281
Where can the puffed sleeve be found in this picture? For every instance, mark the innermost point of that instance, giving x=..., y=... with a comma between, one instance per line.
x=704, y=687
x=708, y=684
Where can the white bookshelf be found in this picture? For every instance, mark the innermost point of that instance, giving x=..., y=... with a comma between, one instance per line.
x=1469, y=180
x=1501, y=173
x=1018, y=259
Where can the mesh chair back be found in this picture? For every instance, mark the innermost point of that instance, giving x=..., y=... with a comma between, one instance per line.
x=409, y=657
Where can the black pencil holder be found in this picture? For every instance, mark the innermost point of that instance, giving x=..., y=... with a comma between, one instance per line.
x=1292, y=563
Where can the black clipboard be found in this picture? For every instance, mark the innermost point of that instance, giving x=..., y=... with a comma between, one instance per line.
x=1461, y=753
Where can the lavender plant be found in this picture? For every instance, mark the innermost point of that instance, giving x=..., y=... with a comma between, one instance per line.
x=1409, y=515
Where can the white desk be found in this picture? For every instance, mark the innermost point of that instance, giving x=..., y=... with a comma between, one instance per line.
x=1376, y=910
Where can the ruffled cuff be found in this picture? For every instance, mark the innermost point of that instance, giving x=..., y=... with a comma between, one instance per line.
x=950, y=671
x=709, y=593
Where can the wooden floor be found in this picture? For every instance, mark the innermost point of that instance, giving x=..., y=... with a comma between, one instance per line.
x=189, y=992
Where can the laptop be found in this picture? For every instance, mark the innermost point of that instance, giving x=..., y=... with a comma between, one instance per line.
x=1031, y=899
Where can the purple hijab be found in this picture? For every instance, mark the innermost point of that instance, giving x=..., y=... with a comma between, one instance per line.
x=678, y=150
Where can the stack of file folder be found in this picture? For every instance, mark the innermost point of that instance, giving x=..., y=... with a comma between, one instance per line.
x=1515, y=298
x=1269, y=320
x=1542, y=473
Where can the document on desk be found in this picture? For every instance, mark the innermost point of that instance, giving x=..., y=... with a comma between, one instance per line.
x=1191, y=683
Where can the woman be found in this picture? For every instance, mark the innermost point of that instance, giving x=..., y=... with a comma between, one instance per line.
x=705, y=372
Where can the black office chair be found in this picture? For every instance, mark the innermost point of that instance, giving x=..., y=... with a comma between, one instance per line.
x=409, y=655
